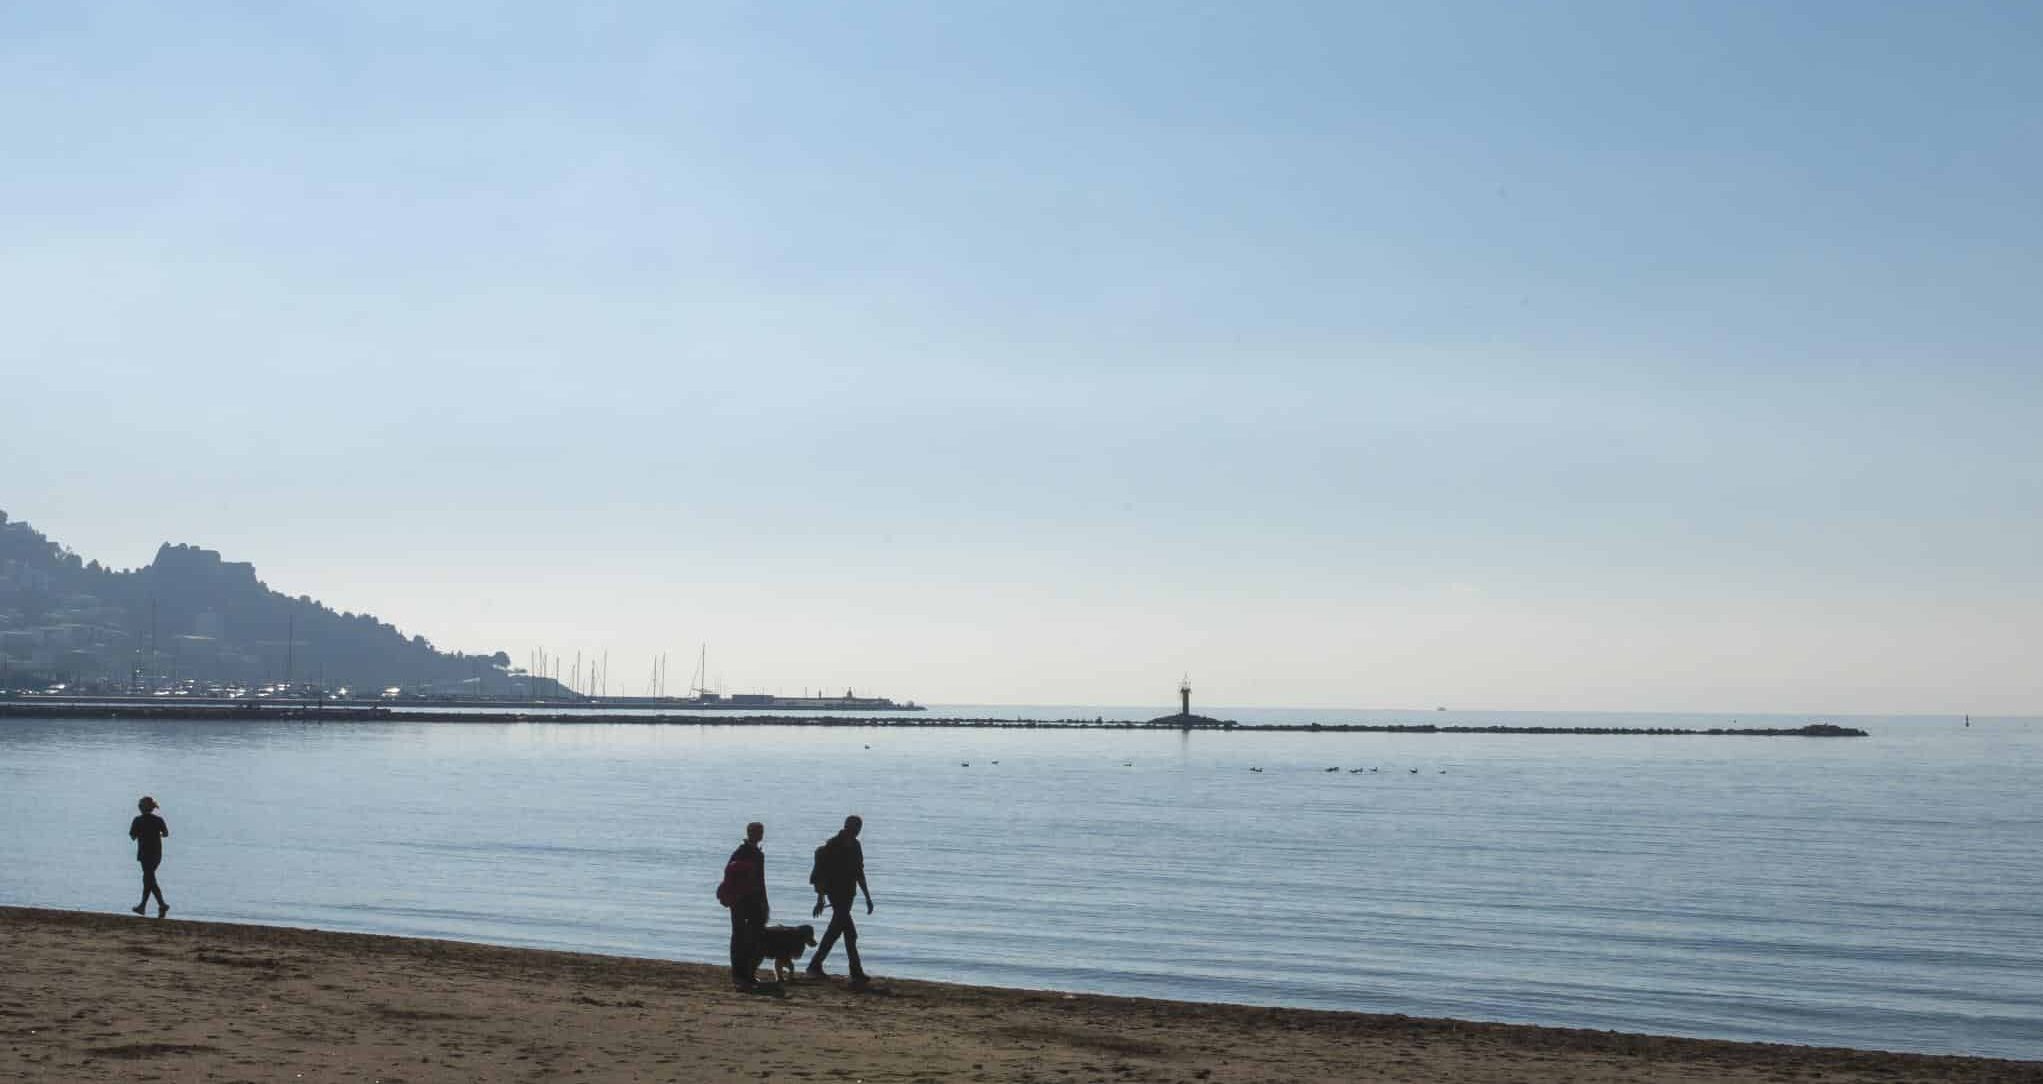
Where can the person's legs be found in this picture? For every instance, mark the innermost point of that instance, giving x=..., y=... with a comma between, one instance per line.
x=149, y=888
x=851, y=943
x=839, y=915
x=841, y=925
x=754, y=942
x=748, y=922
x=742, y=964
x=830, y=935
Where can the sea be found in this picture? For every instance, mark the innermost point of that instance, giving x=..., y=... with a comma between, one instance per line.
x=1883, y=892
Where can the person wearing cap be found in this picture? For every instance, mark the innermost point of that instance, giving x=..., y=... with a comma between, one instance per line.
x=148, y=832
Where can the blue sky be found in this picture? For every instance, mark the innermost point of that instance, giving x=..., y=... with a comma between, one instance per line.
x=1576, y=356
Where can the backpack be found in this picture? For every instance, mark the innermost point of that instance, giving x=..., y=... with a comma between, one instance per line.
x=832, y=871
x=819, y=869
x=740, y=879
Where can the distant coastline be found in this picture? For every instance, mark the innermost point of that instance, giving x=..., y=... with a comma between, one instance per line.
x=259, y=711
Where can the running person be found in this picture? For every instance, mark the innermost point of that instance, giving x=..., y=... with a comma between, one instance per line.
x=148, y=832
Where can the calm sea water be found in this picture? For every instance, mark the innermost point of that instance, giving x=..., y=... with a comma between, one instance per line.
x=1884, y=892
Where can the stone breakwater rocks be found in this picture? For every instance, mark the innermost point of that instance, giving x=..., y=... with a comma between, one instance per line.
x=257, y=712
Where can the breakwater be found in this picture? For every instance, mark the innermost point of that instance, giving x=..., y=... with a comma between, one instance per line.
x=256, y=711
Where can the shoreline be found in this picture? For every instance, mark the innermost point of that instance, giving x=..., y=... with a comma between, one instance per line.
x=255, y=711
x=92, y=996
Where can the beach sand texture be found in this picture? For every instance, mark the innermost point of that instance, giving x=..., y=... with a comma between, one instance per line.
x=87, y=997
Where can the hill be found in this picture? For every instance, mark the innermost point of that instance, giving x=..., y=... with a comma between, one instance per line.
x=191, y=616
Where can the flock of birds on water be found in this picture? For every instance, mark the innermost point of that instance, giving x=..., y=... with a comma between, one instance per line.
x=1359, y=771
x=1257, y=770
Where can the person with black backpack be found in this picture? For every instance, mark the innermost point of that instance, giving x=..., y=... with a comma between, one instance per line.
x=838, y=876
x=743, y=890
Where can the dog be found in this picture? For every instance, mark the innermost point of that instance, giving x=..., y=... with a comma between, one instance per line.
x=785, y=944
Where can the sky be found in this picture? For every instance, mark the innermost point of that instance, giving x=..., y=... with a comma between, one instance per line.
x=1625, y=356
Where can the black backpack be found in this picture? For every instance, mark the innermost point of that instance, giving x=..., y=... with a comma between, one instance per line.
x=828, y=873
x=819, y=870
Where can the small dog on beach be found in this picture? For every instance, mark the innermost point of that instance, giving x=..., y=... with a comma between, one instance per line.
x=785, y=944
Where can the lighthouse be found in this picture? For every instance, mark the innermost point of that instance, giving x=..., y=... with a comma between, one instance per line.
x=1184, y=719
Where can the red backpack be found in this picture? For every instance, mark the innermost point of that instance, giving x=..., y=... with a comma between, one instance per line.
x=741, y=879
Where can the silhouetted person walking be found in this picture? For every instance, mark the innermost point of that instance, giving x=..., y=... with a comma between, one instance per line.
x=148, y=832
x=744, y=892
x=839, y=874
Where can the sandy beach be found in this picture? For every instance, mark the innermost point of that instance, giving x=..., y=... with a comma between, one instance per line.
x=86, y=997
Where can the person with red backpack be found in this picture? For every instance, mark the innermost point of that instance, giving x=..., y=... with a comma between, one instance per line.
x=744, y=891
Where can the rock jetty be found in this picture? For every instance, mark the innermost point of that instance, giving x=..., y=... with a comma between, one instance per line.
x=257, y=711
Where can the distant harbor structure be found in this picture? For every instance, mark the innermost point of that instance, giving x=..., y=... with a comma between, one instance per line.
x=1184, y=718
x=712, y=701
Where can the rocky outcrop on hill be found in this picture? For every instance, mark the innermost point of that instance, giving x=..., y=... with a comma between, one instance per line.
x=192, y=615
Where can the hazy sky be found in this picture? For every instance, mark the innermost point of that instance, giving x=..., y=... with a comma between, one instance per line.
x=1623, y=356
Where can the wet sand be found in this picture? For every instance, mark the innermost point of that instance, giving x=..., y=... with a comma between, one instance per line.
x=90, y=997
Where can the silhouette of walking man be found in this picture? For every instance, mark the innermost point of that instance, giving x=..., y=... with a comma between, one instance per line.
x=839, y=874
x=745, y=887
x=148, y=832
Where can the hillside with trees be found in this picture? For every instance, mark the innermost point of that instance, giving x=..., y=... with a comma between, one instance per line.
x=191, y=616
